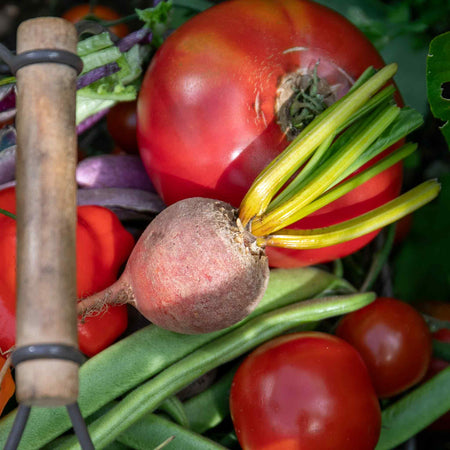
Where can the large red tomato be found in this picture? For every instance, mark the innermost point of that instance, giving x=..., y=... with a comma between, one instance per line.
x=206, y=111
x=304, y=391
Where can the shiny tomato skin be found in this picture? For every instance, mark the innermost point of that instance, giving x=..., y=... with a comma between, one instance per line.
x=394, y=342
x=307, y=390
x=121, y=123
x=206, y=121
x=84, y=11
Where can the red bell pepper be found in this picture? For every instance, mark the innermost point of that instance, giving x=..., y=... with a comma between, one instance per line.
x=103, y=246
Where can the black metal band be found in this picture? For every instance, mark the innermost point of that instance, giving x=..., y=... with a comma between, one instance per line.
x=47, y=351
x=15, y=62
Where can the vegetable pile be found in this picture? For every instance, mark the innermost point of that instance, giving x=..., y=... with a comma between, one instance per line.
x=222, y=154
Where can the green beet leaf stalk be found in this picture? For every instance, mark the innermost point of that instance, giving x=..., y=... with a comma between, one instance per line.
x=320, y=162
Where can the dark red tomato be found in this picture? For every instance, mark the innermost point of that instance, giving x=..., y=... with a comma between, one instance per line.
x=304, y=391
x=394, y=342
x=435, y=308
x=121, y=123
x=206, y=110
x=84, y=11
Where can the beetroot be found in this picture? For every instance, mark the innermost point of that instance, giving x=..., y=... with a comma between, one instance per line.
x=194, y=269
x=201, y=266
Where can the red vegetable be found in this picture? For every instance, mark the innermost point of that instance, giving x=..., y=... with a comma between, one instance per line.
x=121, y=123
x=206, y=110
x=394, y=342
x=201, y=264
x=192, y=271
x=103, y=245
x=85, y=11
x=7, y=385
x=304, y=391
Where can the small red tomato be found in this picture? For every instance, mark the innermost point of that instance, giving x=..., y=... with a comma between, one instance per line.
x=306, y=391
x=394, y=342
x=435, y=308
x=97, y=12
x=121, y=123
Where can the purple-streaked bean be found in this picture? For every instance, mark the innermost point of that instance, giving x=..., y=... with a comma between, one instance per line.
x=97, y=74
x=141, y=203
x=120, y=171
x=8, y=164
x=136, y=37
x=91, y=120
x=7, y=185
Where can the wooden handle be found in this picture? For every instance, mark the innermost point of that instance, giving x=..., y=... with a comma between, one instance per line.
x=46, y=213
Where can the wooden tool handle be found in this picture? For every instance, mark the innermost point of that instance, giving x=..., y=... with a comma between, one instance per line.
x=46, y=213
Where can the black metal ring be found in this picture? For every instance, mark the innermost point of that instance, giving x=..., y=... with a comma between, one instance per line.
x=15, y=62
x=47, y=56
x=47, y=351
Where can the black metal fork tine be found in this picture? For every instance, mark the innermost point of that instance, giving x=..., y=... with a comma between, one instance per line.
x=18, y=427
x=79, y=426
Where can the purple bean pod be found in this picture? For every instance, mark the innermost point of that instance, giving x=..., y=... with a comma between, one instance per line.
x=118, y=171
x=143, y=35
x=128, y=204
x=96, y=74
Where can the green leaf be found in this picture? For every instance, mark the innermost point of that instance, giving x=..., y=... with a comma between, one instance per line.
x=441, y=350
x=421, y=266
x=438, y=73
x=157, y=19
x=415, y=411
x=94, y=43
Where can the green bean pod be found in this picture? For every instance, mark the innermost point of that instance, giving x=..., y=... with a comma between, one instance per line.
x=135, y=359
x=145, y=398
x=415, y=411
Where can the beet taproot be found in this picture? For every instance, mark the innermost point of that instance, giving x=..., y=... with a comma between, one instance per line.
x=201, y=266
x=193, y=270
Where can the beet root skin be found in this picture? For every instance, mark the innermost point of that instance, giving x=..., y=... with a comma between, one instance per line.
x=194, y=270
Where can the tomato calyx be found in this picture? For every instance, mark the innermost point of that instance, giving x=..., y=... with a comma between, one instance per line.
x=319, y=166
x=301, y=96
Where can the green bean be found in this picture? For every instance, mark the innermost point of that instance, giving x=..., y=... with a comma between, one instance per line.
x=174, y=408
x=207, y=409
x=145, y=353
x=148, y=432
x=415, y=411
x=236, y=342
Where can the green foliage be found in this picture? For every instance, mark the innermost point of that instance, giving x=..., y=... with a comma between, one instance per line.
x=157, y=19
x=422, y=266
x=438, y=74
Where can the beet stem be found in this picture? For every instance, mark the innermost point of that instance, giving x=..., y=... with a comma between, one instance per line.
x=119, y=293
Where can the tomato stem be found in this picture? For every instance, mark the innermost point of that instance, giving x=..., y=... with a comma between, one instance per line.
x=357, y=227
x=277, y=173
x=328, y=173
